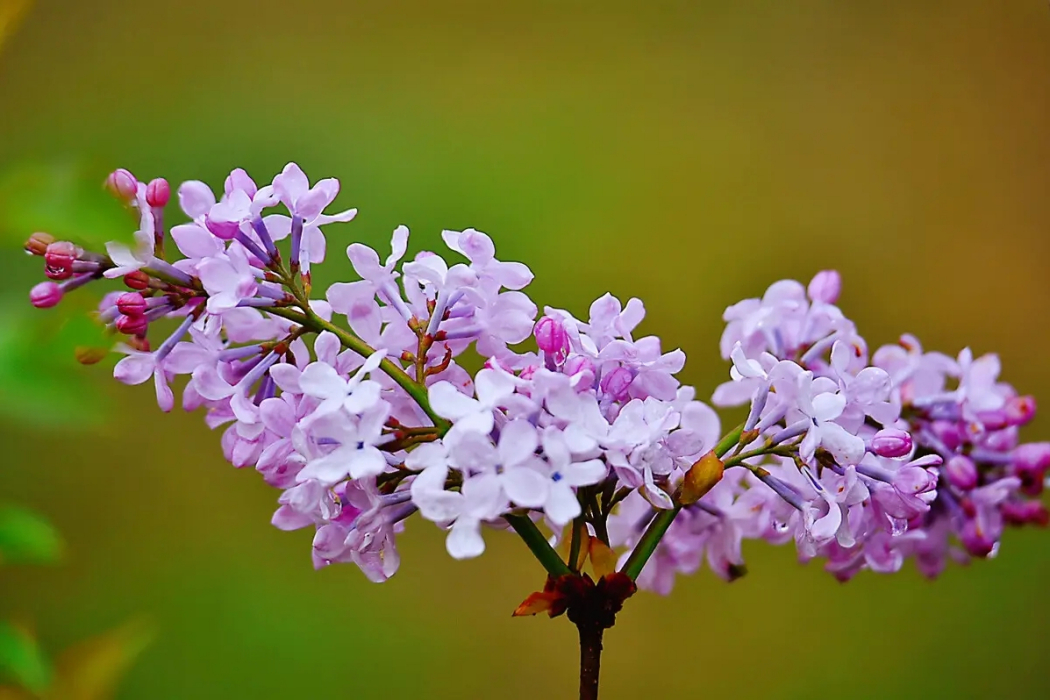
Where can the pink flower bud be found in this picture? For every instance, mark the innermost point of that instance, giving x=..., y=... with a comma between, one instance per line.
x=961, y=472
x=131, y=304
x=825, y=287
x=38, y=243
x=994, y=420
x=975, y=540
x=552, y=338
x=58, y=260
x=891, y=442
x=1031, y=461
x=158, y=193
x=1025, y=513
x=617, y=382
x=951, y=434
x=1020, y=409
x=582, y=370
x=45, y=295
x=138, y=342
x=137, y=280
x=222, y=228
x=1000, y=440
x=132, y=325
x=122, y=184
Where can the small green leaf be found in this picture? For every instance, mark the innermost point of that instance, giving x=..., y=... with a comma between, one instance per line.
x=66, y=200
x=21, y=659
x=25, y=537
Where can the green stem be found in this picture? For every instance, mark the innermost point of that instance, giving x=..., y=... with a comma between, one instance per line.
x=290, y=314
x=165, y=277
x=418, y=392
x=762, y=451
x=658, y=527
x=539, y=545
x=578, y=528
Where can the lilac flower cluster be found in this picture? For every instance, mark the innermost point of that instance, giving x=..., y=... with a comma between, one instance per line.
x=861, y=462
x=356, y=407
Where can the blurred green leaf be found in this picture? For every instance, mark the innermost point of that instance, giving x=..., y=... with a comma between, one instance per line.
x=21, y=659
x=25, y=537
x=92, y=669
x=66, y=200
x=41, y=382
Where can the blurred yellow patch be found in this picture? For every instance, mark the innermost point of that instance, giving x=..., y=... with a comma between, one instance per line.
x=11, y=13
x=92, y=669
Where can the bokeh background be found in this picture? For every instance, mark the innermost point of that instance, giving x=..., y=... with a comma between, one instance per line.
x=685, y=153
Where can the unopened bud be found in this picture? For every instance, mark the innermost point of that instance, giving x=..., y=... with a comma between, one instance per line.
x=222, y=228
x=137, y=280
x=616, y=383
x=975, y=540
x=1031, y=461
x=1025, y=512
x=59, y=258
x=891, y=442
x=552, y=338
x=131, y=304
x=825, y=287
x=961, y=472
x=1020, y=409
x=947, y=432
x=700, y=479
x=38, y=243
x=89, y=356
x=139, y=342
x=158, y=193
x=132, y=325
x=122, y=184
x=582, y=371
x=45, y=295
x=1000, y=440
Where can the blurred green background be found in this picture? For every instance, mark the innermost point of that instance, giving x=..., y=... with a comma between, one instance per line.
x=685, y=153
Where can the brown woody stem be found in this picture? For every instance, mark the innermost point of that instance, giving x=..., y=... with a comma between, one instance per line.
x=590, y=659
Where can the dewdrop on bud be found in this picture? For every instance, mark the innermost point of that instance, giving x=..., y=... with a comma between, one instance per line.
x=122, y=184
x=825, y=287
x=700, y=479
x=45, y=295
x=131, y=304
x=38, y=243
x=158, y=192
x=58, y=260
x=551, y=338
x=961, y=472
x=891, y=442
x=132, y=325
